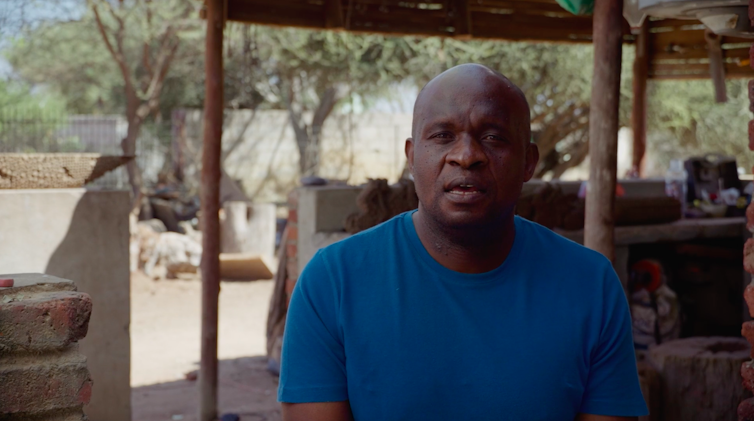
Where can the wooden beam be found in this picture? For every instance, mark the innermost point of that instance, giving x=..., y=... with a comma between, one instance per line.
x=210, y=207
x=716, y=65
x=599, y=226
x=333, y=14
x=639, y=106
x=461, y=19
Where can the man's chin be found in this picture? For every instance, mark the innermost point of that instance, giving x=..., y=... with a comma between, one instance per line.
x=467, y=217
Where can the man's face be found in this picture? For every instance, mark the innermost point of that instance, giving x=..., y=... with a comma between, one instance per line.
x=471, y=152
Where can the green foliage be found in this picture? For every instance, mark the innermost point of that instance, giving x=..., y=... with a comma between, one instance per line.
x=285, y=68
x=684, y=121
x=71, y=59
x=29, y=122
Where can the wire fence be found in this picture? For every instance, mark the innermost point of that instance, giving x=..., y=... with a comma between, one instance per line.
x=37, y=131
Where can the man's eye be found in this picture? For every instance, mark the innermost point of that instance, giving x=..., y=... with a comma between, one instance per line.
x=493, y=137
x=441, y=136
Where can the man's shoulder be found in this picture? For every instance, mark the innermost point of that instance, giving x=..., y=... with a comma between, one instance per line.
x=367, y=242
x=551, y=246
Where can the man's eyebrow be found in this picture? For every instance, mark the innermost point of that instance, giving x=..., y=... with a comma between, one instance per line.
x=505, y=128
x=437, y=125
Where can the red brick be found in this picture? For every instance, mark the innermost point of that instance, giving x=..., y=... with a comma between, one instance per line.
x=291, y=267
x=292, y=231
x=751, y=135
x=292, y=216
x=746, y=410
x=751, y=11
x=747, y=375
x=43, y=321
x=747, y=331
x=293, y=199
x=291, y=251
x=52, y=382
x=289, y=285
x=749, y=297
x=749, y=255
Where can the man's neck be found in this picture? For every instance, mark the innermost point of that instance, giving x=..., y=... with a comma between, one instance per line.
x=466, y=250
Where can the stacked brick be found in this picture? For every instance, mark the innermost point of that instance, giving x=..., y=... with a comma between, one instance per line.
x=746, y=408
x=43, y=376
x=291, y=244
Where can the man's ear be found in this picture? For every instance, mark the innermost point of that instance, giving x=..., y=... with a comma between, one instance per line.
x=410, y=154
x=532, y=159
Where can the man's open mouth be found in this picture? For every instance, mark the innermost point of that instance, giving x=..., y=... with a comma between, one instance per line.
x=465, y=190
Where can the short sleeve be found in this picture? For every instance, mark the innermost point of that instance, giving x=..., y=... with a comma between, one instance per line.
x=313, y=358
x=613, y=381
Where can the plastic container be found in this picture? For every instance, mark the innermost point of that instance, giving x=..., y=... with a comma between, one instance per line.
x=675, y=182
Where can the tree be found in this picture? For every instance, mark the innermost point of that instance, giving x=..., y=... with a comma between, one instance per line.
x=307, y=73
x=158, y=24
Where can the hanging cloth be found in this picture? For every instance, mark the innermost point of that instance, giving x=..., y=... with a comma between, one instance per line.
x=578, y=7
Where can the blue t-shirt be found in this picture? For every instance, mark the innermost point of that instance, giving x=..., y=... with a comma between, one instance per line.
x=375, y=320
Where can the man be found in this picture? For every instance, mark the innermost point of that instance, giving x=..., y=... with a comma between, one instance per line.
x=460, y=310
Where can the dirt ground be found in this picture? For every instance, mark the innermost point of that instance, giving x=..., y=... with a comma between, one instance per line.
x=165, y=333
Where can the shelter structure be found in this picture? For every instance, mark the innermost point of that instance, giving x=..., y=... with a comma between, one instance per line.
x=666, y=49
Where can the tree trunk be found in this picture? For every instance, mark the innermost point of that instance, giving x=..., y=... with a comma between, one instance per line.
x=701, y=378
x=128, y=145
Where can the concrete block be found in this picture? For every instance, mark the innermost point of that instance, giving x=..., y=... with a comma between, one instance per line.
x=84, y=236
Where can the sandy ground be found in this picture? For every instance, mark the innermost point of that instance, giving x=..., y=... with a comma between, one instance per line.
x=165, y=334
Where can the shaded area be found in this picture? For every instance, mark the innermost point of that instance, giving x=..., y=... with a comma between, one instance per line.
x=246, y=388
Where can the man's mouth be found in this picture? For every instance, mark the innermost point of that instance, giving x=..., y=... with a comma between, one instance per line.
x=465, y=190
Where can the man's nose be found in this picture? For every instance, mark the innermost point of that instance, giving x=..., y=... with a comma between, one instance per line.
x=467, y=153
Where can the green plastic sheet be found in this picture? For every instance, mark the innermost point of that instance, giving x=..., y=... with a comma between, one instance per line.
x=578, y=7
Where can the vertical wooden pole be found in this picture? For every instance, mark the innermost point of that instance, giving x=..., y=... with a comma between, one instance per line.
x=716, y=65
x=210, y=207
x=599, y=227
x=639, y=110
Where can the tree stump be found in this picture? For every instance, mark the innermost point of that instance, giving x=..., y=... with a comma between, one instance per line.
x=701, y=378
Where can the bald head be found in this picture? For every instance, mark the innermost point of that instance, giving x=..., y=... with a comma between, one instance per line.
x=477, y=84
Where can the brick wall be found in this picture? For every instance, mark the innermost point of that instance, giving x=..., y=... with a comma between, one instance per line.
x=43, y=376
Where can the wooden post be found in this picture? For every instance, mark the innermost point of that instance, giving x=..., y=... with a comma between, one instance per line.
x=639, y=110
x=716, y=65
x=599, y=225
x=210, y=207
